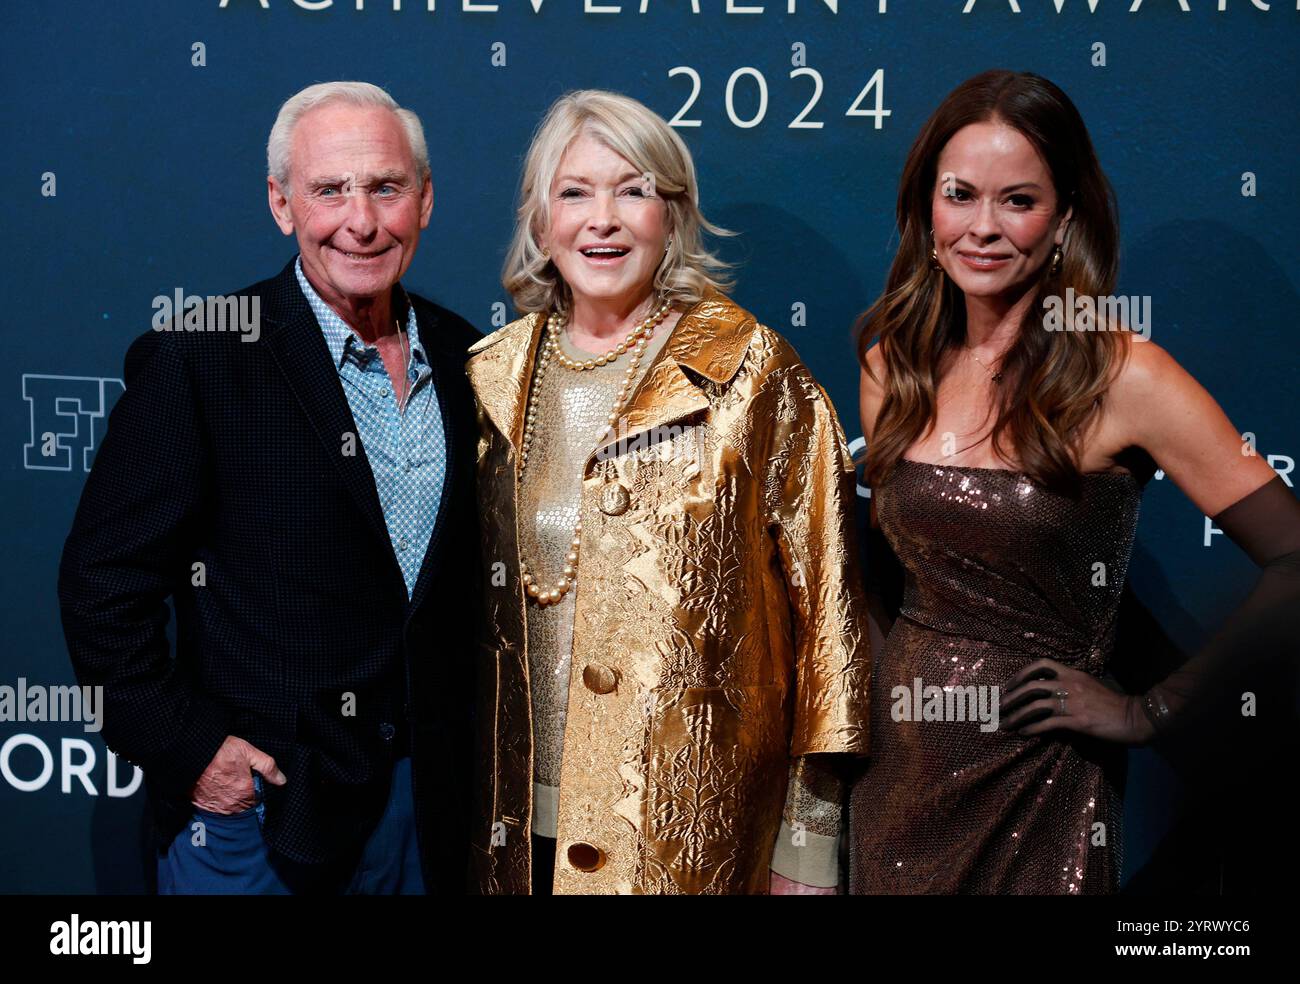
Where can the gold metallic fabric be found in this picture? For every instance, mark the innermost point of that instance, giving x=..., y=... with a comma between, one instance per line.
x=572, y=410
x=719, y=593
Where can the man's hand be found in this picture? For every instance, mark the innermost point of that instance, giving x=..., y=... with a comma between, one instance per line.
x=226, y=785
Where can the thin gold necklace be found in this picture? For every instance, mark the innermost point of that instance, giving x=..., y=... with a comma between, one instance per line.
x=995, y=376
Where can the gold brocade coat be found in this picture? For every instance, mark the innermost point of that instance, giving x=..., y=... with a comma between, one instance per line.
x=719, y=626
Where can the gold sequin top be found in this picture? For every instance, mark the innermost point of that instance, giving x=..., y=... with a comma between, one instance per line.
x=571, y=412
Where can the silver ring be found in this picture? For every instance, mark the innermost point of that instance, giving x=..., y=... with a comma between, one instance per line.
x=1061, y=695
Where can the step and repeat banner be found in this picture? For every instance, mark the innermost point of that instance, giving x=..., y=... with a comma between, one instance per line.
x=135, y=158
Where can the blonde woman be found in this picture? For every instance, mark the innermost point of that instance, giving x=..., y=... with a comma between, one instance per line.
x=674, y=618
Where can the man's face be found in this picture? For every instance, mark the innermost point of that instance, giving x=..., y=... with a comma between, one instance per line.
x=354, y=201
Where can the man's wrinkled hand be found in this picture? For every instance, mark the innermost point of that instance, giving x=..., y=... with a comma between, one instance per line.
x=226, y=785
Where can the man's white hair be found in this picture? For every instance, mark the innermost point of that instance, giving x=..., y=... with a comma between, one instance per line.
x=354, y=93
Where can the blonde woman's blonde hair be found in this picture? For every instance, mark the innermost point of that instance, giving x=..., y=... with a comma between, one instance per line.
x=650, y=145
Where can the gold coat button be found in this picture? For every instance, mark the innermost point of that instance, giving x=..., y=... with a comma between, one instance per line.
x=614, y=499
x=586, y=857
x=599, y=678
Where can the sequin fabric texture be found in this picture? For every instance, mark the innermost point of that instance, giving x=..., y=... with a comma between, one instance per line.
x=573, y=410
x=999, y=572
x=719, y=624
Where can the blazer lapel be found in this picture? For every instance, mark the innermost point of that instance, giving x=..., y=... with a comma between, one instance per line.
x=300, y=352
x=444, y=363
x=710, y=339
x=500, y=369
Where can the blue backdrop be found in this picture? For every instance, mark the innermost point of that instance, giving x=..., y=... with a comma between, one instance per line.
x=135, y=156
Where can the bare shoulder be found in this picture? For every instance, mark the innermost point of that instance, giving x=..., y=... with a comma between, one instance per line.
x=876, y=365
x=1160, y=407
x=1153, y=395
x=871, y=389
x=1148, y=373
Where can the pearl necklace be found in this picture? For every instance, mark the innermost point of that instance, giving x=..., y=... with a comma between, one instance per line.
x=636, y=342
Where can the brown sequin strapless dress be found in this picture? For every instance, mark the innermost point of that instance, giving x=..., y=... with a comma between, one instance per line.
x=999, y=572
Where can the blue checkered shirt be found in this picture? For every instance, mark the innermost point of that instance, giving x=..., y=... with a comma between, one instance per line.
x=407, y=449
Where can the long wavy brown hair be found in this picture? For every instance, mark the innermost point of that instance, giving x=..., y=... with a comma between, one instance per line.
x=1053, y=382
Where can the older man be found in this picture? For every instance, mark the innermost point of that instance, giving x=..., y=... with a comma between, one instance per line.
x=307, y=502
